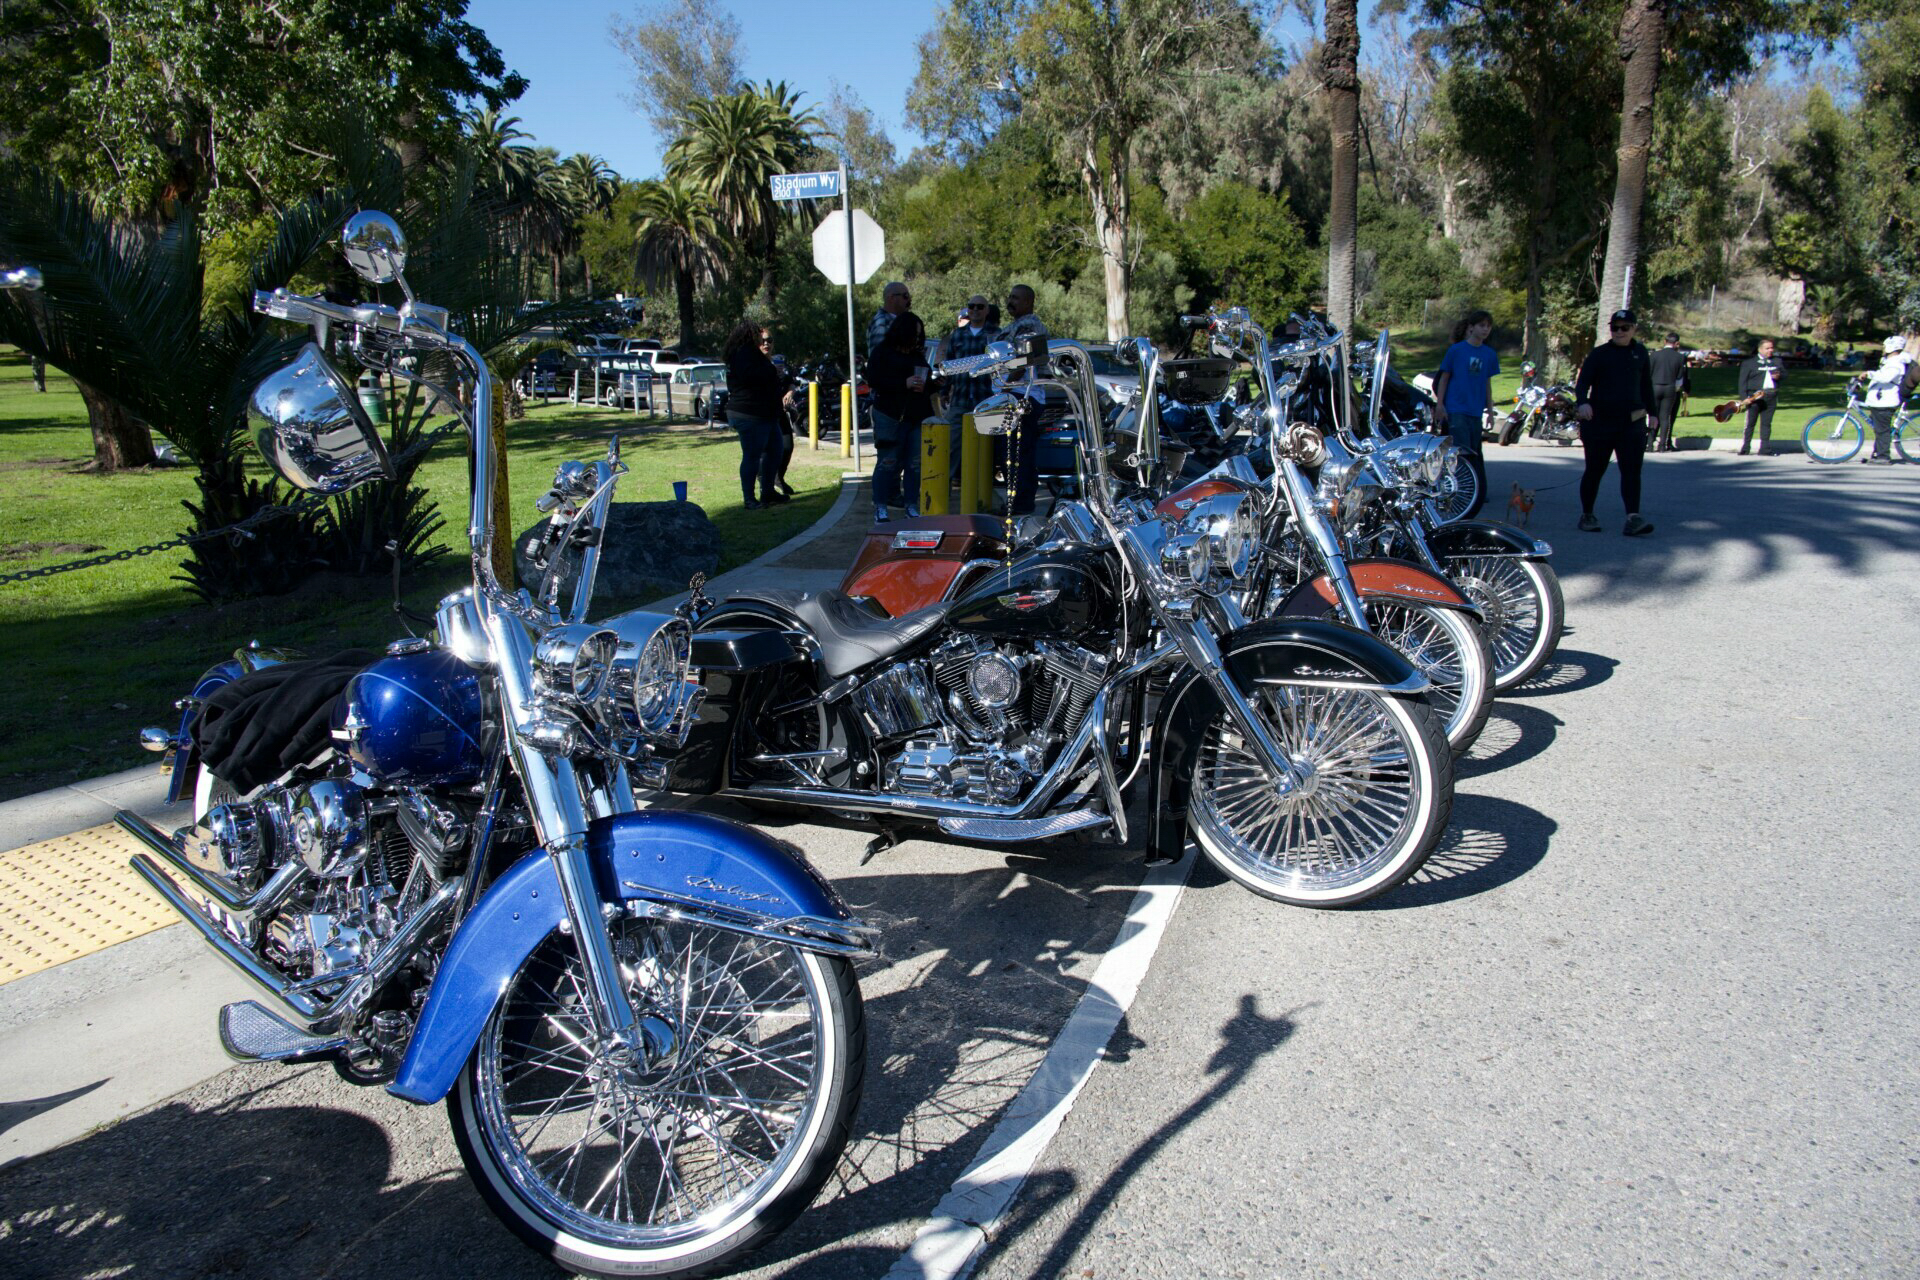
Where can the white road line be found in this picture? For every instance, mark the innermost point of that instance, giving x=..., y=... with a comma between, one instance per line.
x=963, y=1221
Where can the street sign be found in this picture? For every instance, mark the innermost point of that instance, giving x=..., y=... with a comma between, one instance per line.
x=806, y=186
x=830, y=246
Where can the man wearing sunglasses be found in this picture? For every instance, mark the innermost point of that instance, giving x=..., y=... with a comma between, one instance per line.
x=895, y=299
x=1614, y=401
x=970, y=339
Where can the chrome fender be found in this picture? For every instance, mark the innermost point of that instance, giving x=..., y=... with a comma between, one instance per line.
x=1309, y=651
x=688, y=865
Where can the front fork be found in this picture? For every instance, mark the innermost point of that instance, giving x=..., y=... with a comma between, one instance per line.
x=556, y=802
x=1192, y=631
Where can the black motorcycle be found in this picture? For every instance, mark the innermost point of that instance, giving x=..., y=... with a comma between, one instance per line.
x=1109, y=655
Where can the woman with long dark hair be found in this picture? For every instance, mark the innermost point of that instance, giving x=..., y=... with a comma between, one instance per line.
x=756, y=396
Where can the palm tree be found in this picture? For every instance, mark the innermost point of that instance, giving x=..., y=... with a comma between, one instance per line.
x=1340, y=69
x=730, y=146
x=592, y=186
x=677, y=237
x=502, y=161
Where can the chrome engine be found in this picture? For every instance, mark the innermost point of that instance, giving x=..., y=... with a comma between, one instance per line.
x=356, y=863
x=980, y=721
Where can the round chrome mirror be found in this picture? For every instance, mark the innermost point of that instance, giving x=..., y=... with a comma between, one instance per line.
x=307, y=422
x=27, y=278
x=375, y=247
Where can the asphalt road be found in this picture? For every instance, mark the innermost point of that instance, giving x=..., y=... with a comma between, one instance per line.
x=1649, y=1011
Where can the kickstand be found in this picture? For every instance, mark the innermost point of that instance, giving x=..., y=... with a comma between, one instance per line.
x=888, y=837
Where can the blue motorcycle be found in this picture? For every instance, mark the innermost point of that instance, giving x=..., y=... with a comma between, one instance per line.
x=645, y=1025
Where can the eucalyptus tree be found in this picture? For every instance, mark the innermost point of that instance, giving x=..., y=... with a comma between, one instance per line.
x=677, y=240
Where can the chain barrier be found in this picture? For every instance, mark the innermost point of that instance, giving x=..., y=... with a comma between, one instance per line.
x=237, y=530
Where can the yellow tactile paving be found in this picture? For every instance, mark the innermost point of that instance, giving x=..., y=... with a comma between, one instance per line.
x=69, y=897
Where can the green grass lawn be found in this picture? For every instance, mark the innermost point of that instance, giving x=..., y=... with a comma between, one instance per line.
x=1805, y=394
x=95, y=654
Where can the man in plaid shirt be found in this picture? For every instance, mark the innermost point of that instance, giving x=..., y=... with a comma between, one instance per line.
x=970, y=339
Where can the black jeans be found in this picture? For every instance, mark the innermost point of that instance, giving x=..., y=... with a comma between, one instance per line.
x=1600, y=441
x=1882, y=423
x=1761, y=412
x=759, y=454
x=1666, y=404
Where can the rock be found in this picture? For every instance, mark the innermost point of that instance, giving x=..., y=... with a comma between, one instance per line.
x=650, y=549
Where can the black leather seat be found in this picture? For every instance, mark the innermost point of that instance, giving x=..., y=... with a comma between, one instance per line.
x=850, y=637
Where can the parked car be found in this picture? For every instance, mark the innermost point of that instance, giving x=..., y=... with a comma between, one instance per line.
x=690, y=383
x=635, y=345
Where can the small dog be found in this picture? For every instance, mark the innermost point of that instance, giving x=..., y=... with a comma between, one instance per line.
x=1520, y=505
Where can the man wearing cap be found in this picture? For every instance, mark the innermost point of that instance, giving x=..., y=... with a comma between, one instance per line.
x=1614, y=400
x=1669, y=366
x=970, y=339
x=1887, y=386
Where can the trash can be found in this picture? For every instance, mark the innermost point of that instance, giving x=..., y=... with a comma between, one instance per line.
x=372, y=400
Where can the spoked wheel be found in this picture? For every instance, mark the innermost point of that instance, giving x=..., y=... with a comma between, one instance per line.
x=675, y=1164
x=1906, y=437
x=1833, y=436
x=1377, y=791
x=1448, y=648
x=1521, y=610
x=1458, y=491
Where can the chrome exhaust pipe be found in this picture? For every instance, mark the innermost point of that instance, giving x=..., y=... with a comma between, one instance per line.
x=246, y=906
x=249, y=965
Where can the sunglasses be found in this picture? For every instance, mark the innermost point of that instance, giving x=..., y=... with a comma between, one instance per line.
x=976, y=306
x=1621, y=328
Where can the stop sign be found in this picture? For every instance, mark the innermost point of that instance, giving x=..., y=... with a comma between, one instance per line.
x=830, y=246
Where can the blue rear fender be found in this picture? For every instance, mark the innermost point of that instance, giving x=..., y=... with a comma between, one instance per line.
x=690, y=859
x=186, y=756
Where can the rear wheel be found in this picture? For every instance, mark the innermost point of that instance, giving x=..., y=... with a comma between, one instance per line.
x=1375, y=798
x=1521, y=610
x=1906, y=436
x=675, y=1166
x=1448, y=648
x=1833, y=436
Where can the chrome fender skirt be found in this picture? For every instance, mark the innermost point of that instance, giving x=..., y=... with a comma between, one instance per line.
x=687, y=865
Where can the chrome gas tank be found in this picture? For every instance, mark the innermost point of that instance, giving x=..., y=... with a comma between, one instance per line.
x=413, y=717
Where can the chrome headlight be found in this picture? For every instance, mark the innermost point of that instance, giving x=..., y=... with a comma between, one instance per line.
x=308, y=424
x=1415, y=458
x=572, y=663
x=648, y=690
x=1230, y=524
x=1187, y=558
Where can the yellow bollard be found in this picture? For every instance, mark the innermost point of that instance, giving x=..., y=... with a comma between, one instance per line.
x=969, y=467
x=813, y=414
x=936, y=466
x=846, y=420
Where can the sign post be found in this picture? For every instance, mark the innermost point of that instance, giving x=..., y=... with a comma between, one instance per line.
x=848, y=247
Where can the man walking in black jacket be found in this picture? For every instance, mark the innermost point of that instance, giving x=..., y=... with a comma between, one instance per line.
x=1669, y=365
x=1613, y=398
x=1761, y=376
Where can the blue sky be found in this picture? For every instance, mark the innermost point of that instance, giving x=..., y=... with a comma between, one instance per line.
x=579, y=76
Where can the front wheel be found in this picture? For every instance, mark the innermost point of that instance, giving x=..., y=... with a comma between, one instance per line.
x=1457, y=495
x=1376, y=792
x=1833, y=436
x=1521, y=608
x=1906, y=437
x=678, y=1164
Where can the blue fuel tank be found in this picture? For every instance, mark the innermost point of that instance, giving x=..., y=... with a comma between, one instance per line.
x=414, y=718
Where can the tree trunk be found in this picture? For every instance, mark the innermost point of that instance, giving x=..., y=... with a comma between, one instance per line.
x=683, y=296
x=120, y=440
x=1107, y=193
x=1340, y=71
x=1643, y=36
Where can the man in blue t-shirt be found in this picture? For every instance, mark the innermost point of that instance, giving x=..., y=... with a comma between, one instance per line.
x=1463, y=391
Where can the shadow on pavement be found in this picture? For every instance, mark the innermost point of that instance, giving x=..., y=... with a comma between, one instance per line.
x=1245, y=1039
x=1514, y=733
x=1568, y=671
x=13, y=1113
x=1490, y=842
